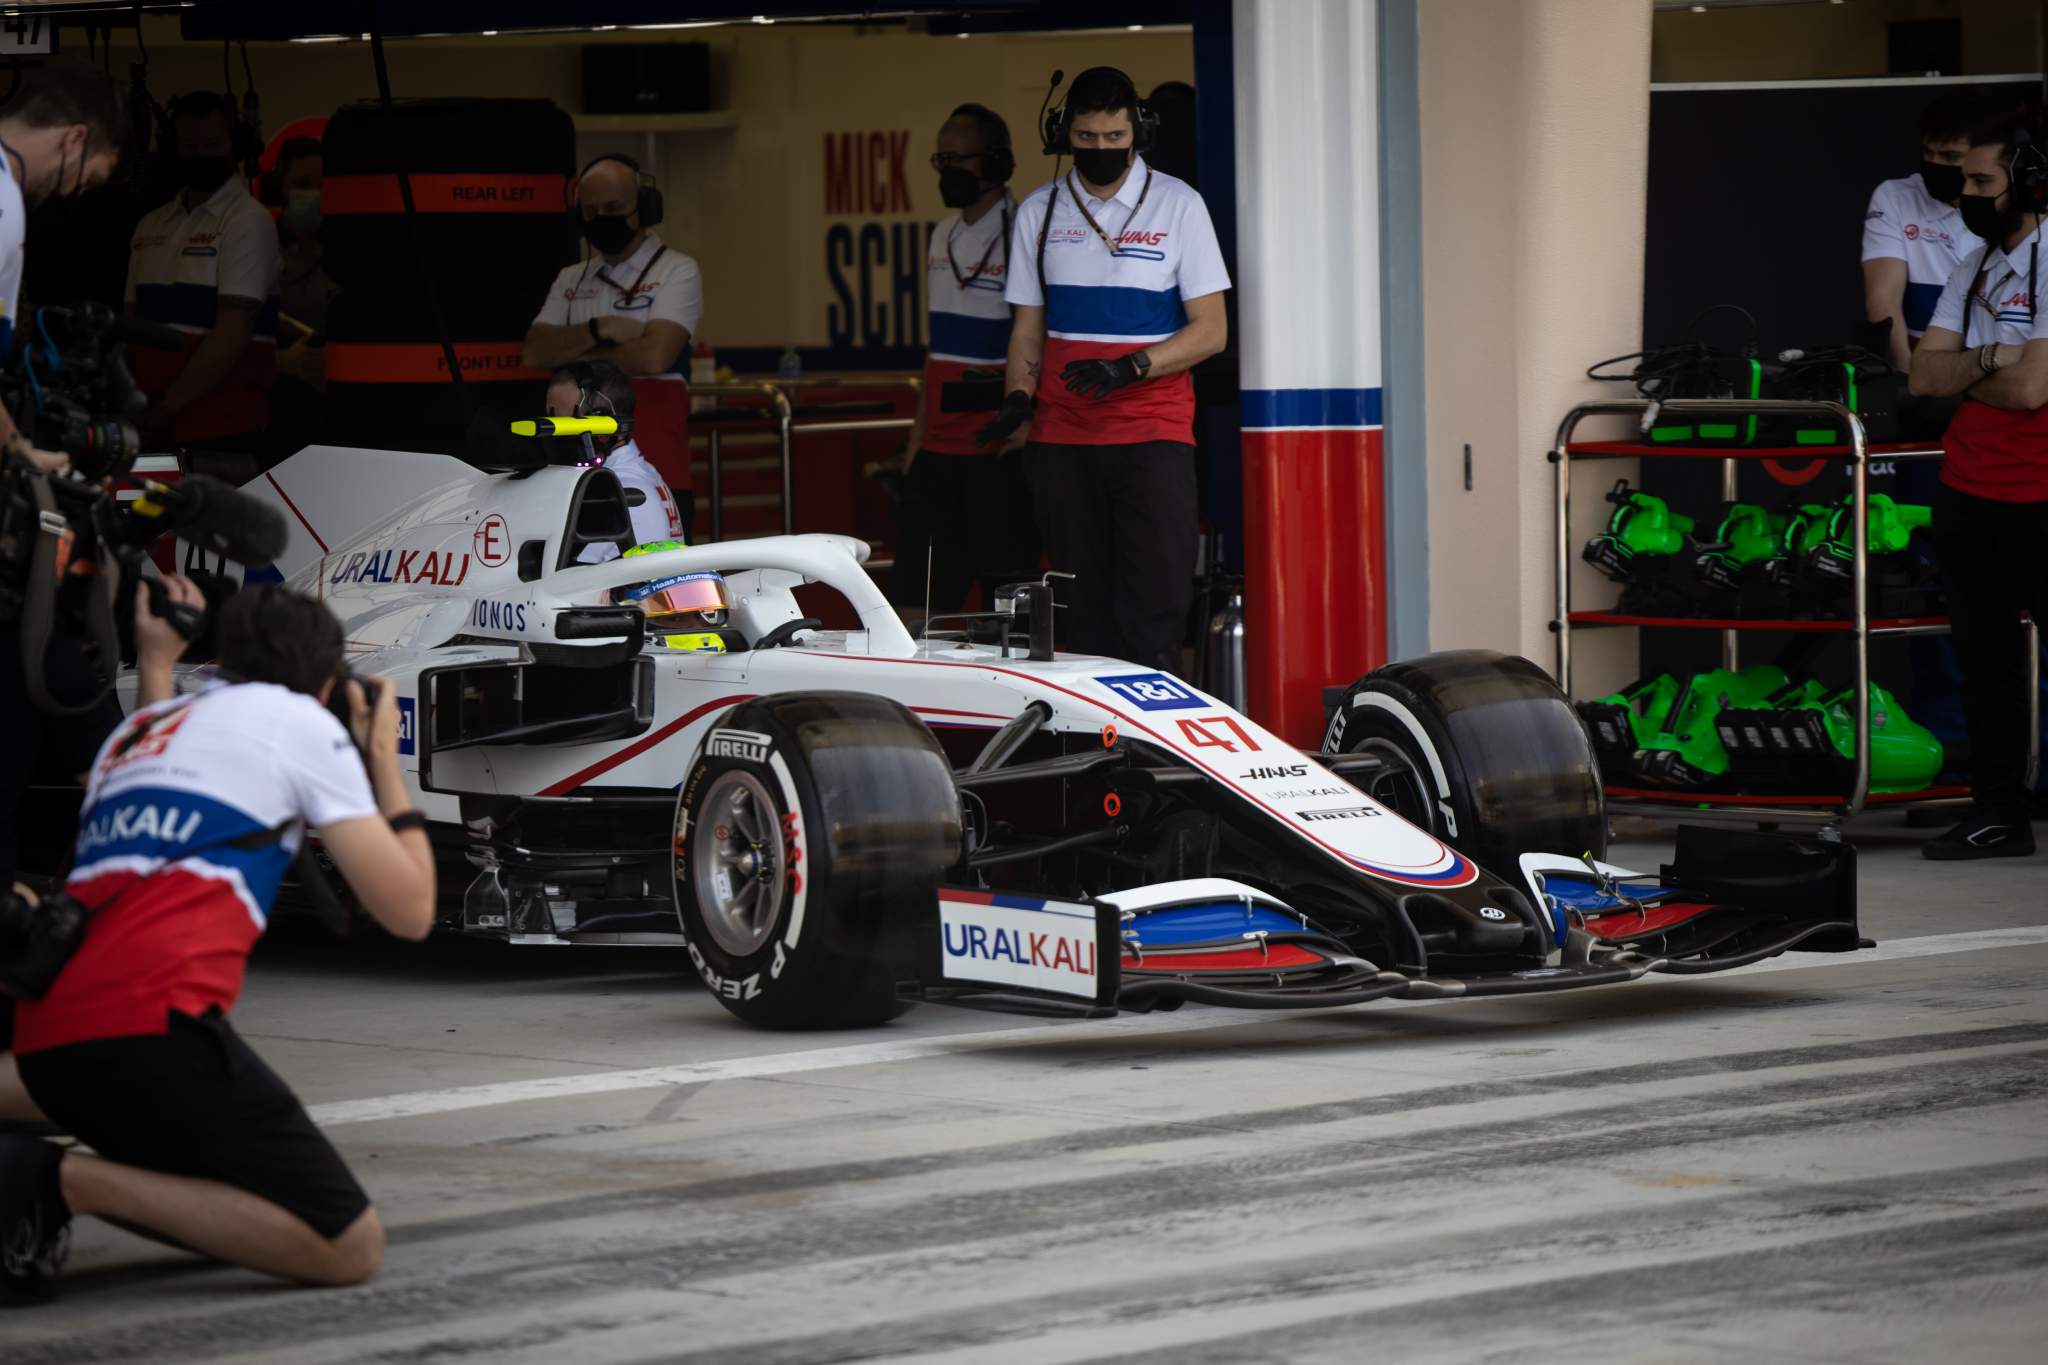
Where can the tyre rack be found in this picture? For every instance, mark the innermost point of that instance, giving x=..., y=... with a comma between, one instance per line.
x=1819, y=808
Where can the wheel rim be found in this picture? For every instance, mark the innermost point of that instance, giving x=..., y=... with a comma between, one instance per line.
x=736, y=863
x=1398, y=784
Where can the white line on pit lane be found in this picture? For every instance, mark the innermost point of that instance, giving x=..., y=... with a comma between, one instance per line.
x=417, y=1103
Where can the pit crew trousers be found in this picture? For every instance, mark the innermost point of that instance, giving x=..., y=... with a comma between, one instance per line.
x=1994, y=556
x=966, y=519
x=1122, y=520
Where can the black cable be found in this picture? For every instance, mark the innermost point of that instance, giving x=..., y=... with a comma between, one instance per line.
x=1710, y=310
x=1668, y=371
x=412, y=217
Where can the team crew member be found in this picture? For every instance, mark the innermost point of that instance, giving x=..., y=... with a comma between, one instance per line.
x=192, y=814
x=1913, y=234
x=304, y=290
x=635, y=303
x=62, y=137
x=1117, y=294
x=966, y=512
x=597, y=388
x=1988, y=341
x=207, y=264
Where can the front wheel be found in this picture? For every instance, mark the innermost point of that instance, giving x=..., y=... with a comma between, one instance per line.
x=809, y=824
x=1480, y=749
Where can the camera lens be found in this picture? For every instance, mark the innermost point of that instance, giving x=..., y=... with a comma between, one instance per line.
x=100, y=447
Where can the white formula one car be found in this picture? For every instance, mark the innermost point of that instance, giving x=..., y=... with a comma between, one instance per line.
x=834, y=823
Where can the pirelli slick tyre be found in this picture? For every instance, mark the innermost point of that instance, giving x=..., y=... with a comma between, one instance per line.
x=810, y=829
x=1482, y=750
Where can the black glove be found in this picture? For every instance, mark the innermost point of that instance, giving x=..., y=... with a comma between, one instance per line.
x=1014, y=413
x=1101, y=378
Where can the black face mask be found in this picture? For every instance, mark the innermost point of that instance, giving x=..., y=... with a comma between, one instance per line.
x=1943, y=182
x=55, y=201
x=608, y=232
x=1982, y=216
x=1101, y=165
x=203, y=174
x=958, y=187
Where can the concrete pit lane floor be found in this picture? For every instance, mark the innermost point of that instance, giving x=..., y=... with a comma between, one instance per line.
x=581, y=1158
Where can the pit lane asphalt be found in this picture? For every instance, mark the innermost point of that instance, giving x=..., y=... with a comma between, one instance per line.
x=1842, y=1160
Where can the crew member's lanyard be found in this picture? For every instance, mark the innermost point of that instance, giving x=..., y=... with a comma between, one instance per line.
x=964, y=280
x=1128, y=218
x=638, y=280
x=1988, y=297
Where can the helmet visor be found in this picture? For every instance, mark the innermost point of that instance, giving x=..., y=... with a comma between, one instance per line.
x=674, y=600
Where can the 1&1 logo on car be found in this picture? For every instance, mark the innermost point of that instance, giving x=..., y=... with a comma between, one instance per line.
x=407, y=741
x=1152, y=692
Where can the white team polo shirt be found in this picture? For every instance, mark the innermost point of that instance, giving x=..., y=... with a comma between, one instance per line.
x=1906, y=223
x=13, y=228
x=180, y=263
x=656, y=518
x=966, y=265
x=1106, y=299
x=1997, y=453
x=653, y=284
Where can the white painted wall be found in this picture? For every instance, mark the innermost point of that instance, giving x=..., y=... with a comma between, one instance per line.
x=1534, y=151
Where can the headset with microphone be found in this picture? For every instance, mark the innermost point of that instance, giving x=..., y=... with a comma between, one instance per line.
x=2028, y=172
x=1056, y=123
x=647, y=204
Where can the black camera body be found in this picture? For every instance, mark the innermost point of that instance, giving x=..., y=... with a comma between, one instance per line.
x=37, y=940
x=72, y=390
x=63, y=536
x=69, y=390
x=337, y=701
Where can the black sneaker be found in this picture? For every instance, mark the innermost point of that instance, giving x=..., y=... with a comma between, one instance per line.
x=1983, y=835
x=35, y=1223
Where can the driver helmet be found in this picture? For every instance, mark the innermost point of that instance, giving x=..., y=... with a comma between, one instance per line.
x=686, y=610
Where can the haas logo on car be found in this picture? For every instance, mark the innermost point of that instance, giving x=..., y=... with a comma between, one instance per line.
x=1271, y=774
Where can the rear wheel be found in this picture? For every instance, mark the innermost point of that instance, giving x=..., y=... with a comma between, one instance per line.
x=806, y=827
x=1482, y=750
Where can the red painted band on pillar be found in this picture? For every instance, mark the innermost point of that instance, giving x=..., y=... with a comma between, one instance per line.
x=1315, y=571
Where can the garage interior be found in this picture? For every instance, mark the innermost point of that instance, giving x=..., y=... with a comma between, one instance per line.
x=1436, y=216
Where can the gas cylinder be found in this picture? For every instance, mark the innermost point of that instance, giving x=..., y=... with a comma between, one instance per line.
x=1220, y=669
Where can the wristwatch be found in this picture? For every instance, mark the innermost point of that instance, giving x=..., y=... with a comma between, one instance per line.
x=1143, y=361
x=596, y=335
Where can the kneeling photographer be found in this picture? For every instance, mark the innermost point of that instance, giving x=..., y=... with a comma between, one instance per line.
x=194, y=809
